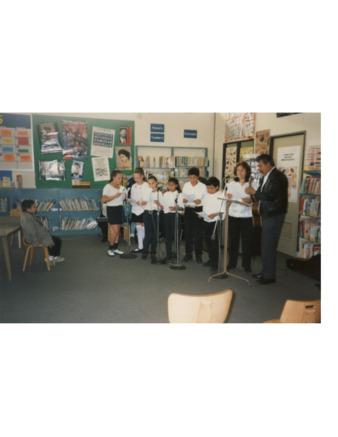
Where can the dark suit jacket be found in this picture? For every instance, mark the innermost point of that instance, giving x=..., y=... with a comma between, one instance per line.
x=273, y=196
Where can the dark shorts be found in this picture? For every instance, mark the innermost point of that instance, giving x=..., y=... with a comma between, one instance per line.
x=137, y=218
x=115, y=215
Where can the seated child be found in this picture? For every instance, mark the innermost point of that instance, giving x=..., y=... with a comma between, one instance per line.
x=36, y=233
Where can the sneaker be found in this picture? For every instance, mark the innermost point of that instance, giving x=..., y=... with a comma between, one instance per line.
x=118, y=252
x=111, y=253
x=58, y=259
x=138, y=250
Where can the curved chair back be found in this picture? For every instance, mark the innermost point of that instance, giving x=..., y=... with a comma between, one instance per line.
x=301, y=312
x=208, y=308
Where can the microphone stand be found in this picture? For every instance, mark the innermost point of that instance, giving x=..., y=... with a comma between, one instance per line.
x=228, y=202
x=128, y=255
x=158, y=261
x=177, y=265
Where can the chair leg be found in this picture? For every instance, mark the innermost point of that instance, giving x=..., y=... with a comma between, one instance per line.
x=19, y=239
x=12, y=239
x=31, y=257
x=47, y=258
x=26, y=258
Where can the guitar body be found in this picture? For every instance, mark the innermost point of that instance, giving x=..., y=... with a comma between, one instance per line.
x=256, y=217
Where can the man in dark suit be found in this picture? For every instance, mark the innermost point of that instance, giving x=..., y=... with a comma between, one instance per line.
x=272, y=194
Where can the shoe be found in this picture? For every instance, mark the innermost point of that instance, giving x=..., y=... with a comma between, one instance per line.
x=265, y=281
x=207, y=264
x=199, y=259
x=111, y=252
x=118, y=252
x=257, y=276
x=247, y=270
x=138, y=250
x=144, y=255
x=58, y=259
x=187, y=258
x=213, y=268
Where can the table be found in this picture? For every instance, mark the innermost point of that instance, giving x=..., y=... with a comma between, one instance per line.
x=8, y=226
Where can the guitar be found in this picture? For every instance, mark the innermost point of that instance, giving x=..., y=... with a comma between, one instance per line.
x=256, y=217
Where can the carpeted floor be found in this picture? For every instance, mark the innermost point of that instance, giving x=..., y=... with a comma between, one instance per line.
x=90, y=287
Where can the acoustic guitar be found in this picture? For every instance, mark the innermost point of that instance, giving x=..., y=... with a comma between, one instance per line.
x=256, y=217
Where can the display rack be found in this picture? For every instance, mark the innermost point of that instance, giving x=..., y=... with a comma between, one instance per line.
x=309, y=230
x=165, y=162
x=64, y=211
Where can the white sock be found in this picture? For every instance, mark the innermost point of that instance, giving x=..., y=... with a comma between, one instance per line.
x=140, y=236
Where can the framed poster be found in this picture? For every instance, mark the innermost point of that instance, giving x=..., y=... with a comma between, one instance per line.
x=239, y=126
x=288, y=161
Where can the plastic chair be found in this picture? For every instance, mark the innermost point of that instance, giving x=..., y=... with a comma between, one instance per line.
x=295, y=311
x=208, y=308
x=30, y=250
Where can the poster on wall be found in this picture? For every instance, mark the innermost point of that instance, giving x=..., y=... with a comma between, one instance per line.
x=48, y=134
x=16, y=145
x=77, y=169
x=123, y=158
x=262, y=143
x=125, y=135
x=102, y=142
x=288, y=161
x=52, y=170
x=312, y=159
x=239, y=126
x=230, y=161
x=74, y=139
x=100, y=169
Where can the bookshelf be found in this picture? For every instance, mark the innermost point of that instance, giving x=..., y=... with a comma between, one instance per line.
x=63, y=211
x=165, y=162
x=309, y=230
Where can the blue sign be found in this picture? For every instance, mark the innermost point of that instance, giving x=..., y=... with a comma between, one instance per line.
x=157, y=137
x=157, y=127
x=15, y=120
x=190, y=133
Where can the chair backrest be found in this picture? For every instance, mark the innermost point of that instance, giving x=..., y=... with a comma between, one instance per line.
x=301, y=312
x=208, y=308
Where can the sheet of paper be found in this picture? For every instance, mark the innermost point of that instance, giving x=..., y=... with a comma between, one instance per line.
x=204, y=215
x=236, y=191
x=190, y=197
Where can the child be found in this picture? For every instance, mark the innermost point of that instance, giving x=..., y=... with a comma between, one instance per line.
x=170, y=198
x=214, y=208
x=36, y=233
x=139, y=192
x=113, y=195
x=193, y=226
x=150, y=220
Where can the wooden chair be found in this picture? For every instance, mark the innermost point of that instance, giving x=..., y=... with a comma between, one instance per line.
x=300, y=312
x=208, y=308
x=30, y=251
x=16, y=213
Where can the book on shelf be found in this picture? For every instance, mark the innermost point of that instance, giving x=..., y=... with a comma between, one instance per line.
x=187, y=161
x=4, y=204
x=309, y=229
x=308, y=249
x=78, y=204
x=311, y=185
x=72, y=224
x=310, y=206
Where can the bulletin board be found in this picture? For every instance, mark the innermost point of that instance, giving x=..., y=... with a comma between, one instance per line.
x=92, y=129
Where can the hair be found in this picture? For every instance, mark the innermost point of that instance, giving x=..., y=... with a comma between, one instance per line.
x=151, y=176
x=114, y=173
x=139, y=170
x=247, y=169
x=213, y=181
x=26, y=204
x=124, y=152
x=175, y=181
x=266, y=159
x=193, y=171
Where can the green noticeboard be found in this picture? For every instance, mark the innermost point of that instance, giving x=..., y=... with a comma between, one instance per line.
x=69, y=143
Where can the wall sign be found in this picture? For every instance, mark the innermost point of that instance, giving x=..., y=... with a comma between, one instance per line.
x=157, y=138
x=190, y=133
x=156, y=127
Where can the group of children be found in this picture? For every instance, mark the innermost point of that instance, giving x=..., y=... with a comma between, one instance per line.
x=200, y=202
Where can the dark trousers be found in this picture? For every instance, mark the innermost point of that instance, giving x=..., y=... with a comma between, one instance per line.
x=271, y=229
x=212, y=243
x=193, y=231
x=56, y=249
x=240, y=228
x=169, y=231
x=150, y=229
